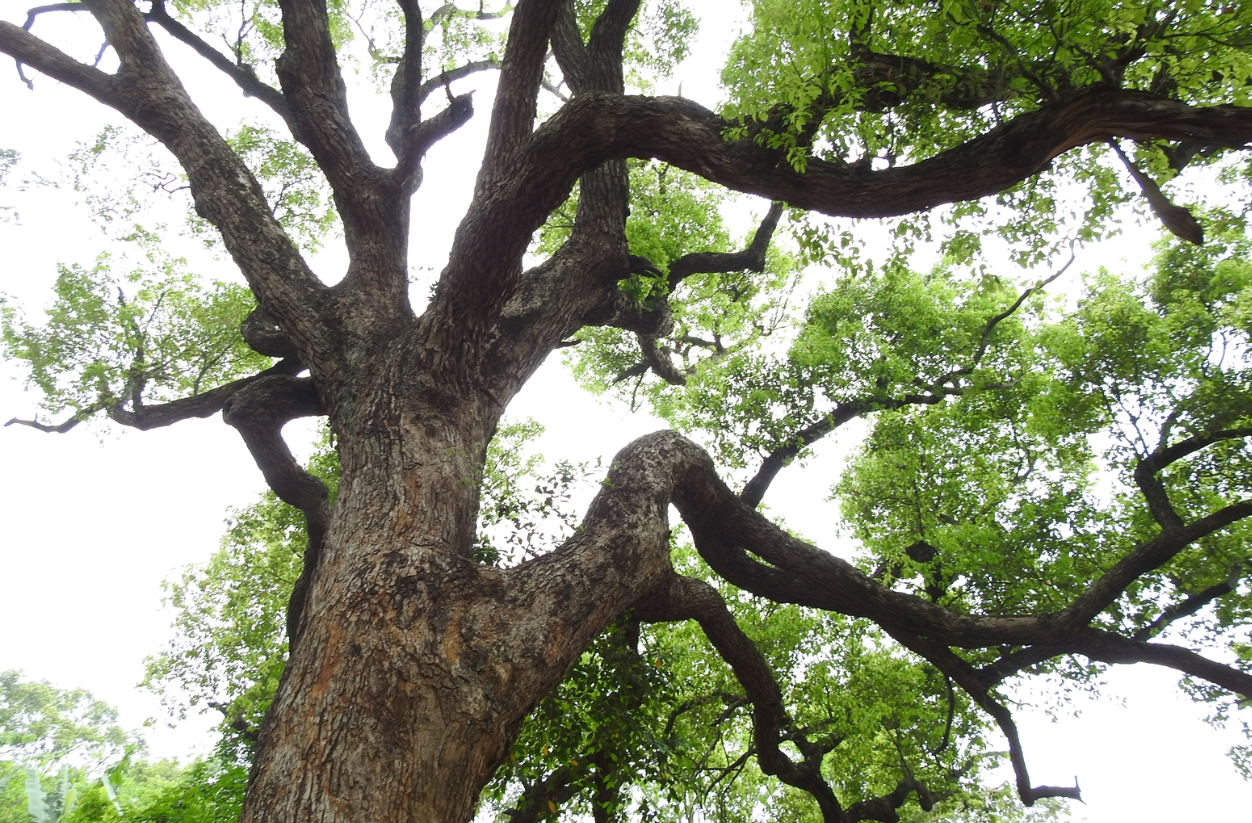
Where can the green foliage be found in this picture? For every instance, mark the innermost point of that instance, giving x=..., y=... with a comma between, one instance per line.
x=43, y=726
x=114, y=341
x=877, y=84
x=715, y=315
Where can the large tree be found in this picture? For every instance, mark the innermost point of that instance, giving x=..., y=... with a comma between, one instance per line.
x=415, y=654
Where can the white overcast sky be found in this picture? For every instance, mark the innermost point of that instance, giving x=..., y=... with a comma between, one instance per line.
x=92, y=521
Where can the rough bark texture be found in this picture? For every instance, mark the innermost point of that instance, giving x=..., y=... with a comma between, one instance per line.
x=412, y=666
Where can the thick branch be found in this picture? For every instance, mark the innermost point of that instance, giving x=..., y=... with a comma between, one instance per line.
x=258, y=413
x=242, y=75
x=309, y=73
x=521, y=73
x=205, y=404
x=750, y=259
x=685, y=598
x=596, y=126
x=406, y=84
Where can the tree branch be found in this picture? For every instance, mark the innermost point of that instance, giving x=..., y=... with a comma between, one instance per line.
x=258, y=412
x=1144, y=558
x=1180, y=222
x=1192, y=604
x=145, y=418
x=406, y=84
x=242, y=75
x=686, y=598
x=750, y=259
x=451, y=75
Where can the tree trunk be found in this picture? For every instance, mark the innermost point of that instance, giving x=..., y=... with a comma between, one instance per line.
x=415, y=665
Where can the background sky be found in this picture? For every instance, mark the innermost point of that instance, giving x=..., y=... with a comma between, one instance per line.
x=92, y=521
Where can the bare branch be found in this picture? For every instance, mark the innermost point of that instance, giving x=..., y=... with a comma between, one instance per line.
x=750, y=259
x=242, y=75
x=1180, y=222
x=434, y=84
x=144, y=418
x=1192, y=604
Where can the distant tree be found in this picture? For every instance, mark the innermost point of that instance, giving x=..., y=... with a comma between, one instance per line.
x=414, y=658
x=44, y=726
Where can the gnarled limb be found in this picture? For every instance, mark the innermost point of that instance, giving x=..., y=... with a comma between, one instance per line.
x=258, y=413
x=686, y=598
x=243, y=75
x=750, y=259
x=142, y=417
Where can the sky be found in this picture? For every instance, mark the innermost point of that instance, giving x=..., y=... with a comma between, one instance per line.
x=92, y=521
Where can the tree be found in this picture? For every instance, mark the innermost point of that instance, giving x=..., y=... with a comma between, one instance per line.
x=412, y=659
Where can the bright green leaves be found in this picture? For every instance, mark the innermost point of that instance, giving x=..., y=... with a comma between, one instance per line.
x=877, y=84
x=230, y=647
x=985, y=501
x=715, y=315
x=294, y=186
x=42, y=725
x=114, y=341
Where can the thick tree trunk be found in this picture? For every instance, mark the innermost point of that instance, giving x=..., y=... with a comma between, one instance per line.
x=415, y=665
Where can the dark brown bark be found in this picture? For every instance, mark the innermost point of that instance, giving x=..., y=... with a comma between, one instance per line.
x=415, y=665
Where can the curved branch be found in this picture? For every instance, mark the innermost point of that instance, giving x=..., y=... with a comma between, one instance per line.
x=144, y=418
x=754, y=490
x=596, y=126
x=243, y=75
x=750, y=259
x=965, y=676
x=420, y=137
x=686, y=598
x=1146, y=471
x=264, y=336
x=258, y=413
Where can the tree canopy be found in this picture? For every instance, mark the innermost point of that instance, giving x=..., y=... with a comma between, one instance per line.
x=419, y=622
